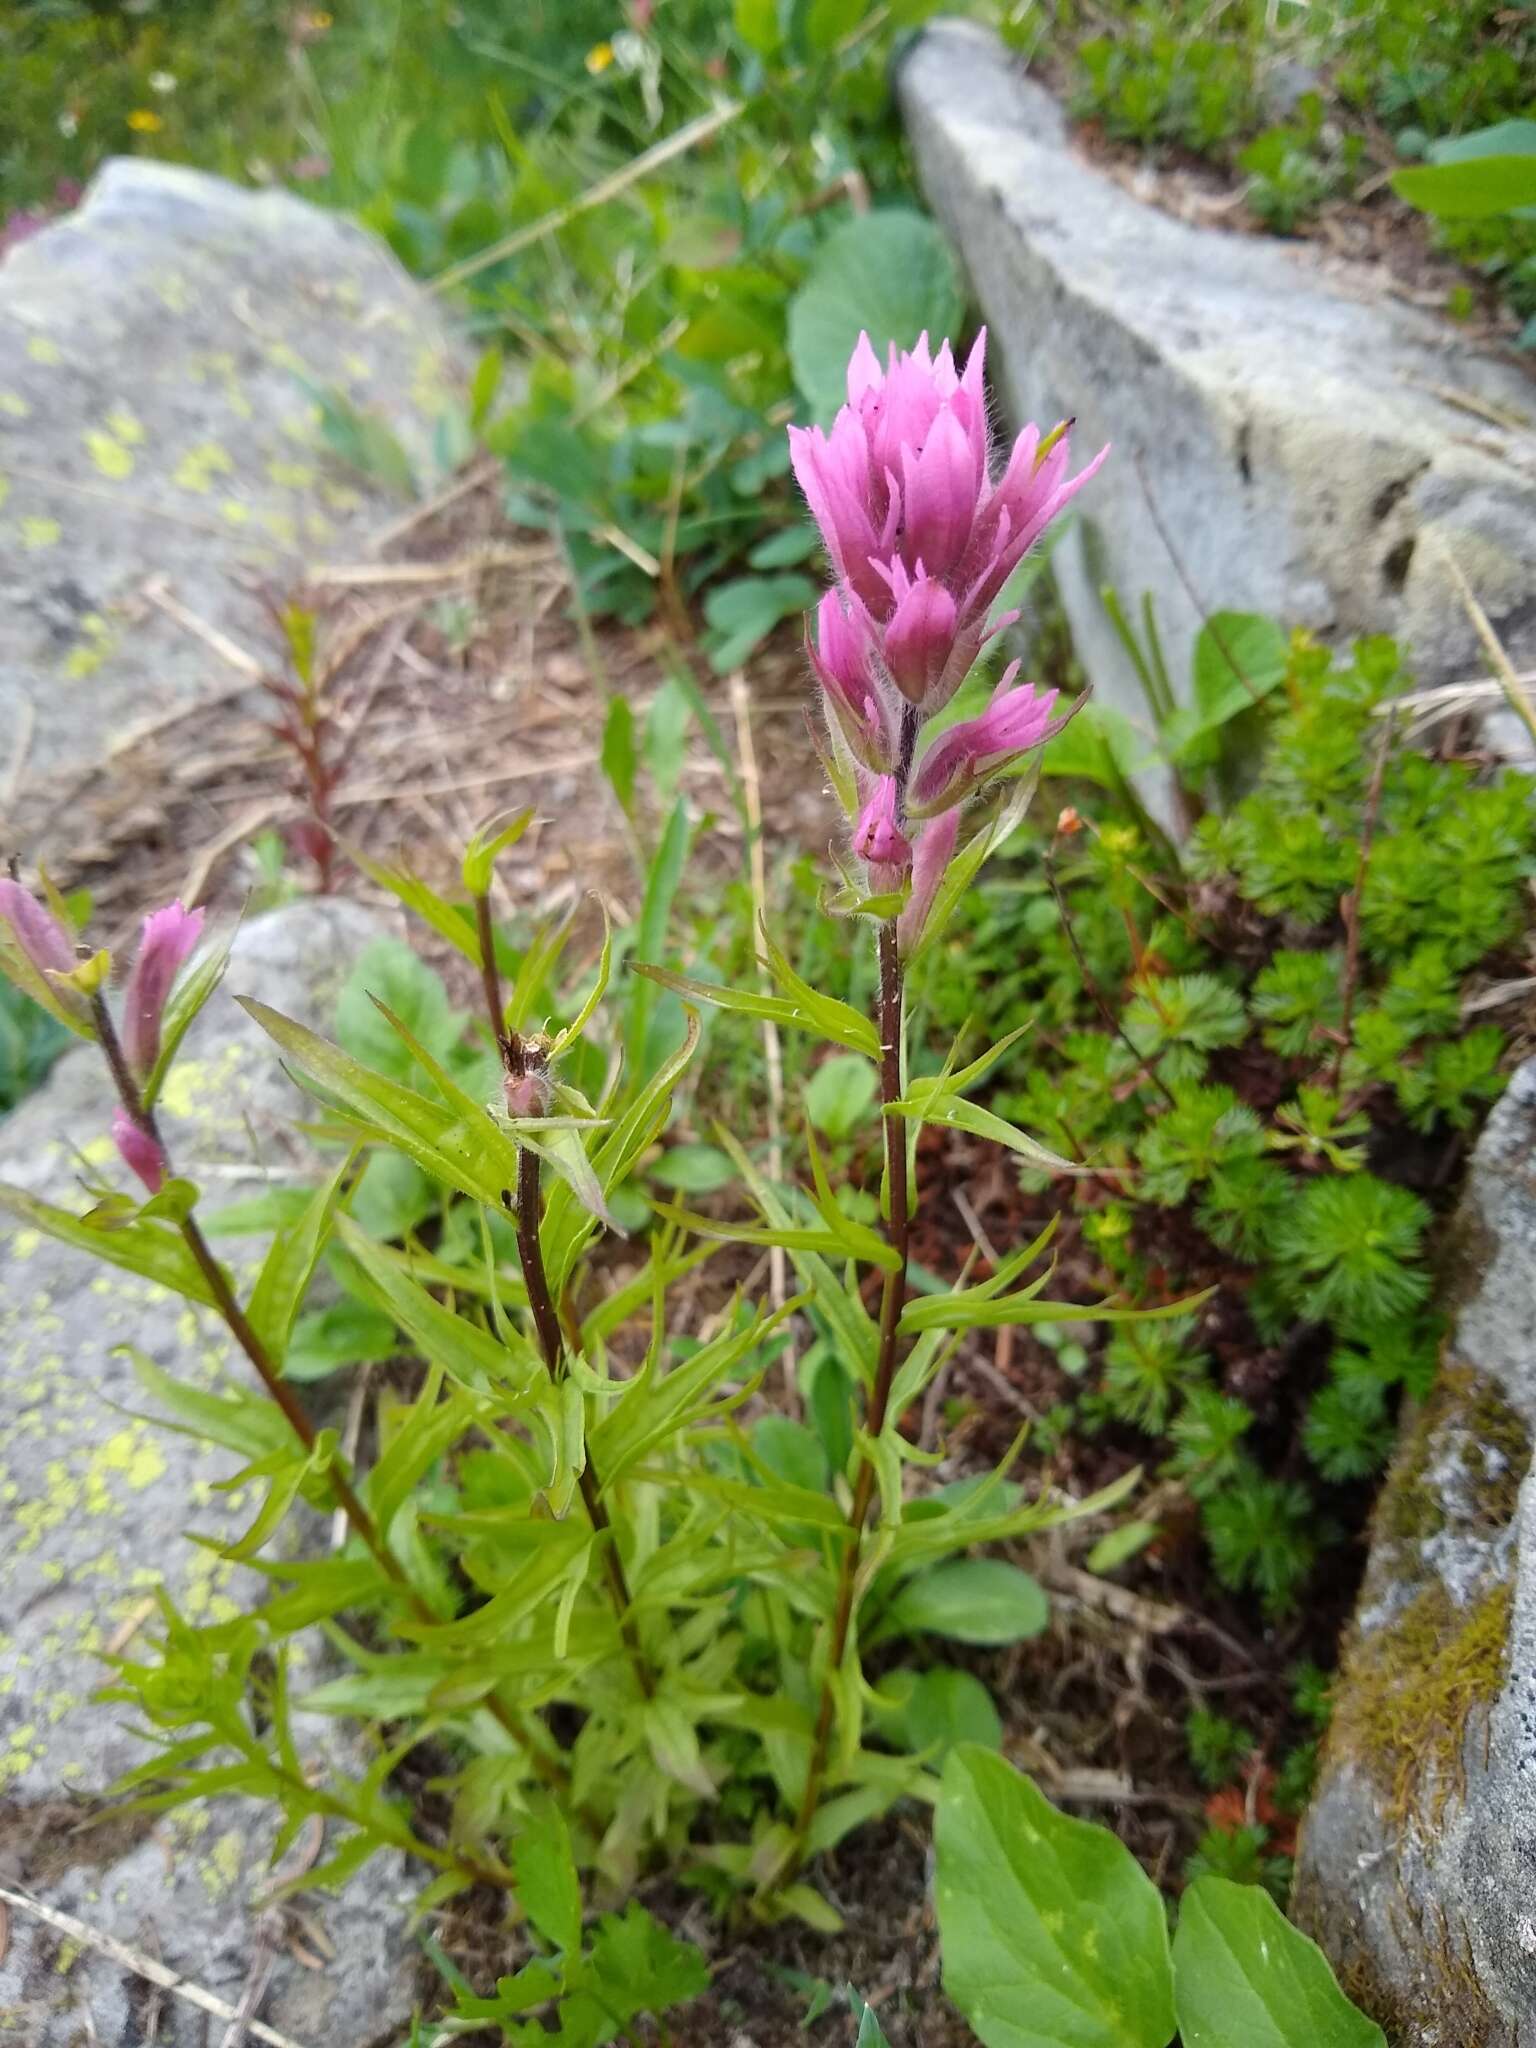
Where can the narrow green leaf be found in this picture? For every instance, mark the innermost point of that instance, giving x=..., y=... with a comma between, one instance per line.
x=472, y=1357
x=662, y=878
x=152, y=1250
x=289, y=1267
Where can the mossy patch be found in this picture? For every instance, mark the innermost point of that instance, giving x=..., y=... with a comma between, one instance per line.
x=1410, y=1690
x=1466, y=1413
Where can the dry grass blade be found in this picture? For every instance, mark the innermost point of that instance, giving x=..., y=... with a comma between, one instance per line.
x=618, y=181
x=141, y=1965
x=1503, y=668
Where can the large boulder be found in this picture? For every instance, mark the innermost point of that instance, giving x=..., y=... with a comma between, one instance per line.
x=165, y=353
x=1417, y=1859
x=1313, y=449
x=99, y=1506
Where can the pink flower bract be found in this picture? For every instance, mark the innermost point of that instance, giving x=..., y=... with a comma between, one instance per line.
x=169, y=936
x=35, y=929
x=1017, y=719
x=138, y=1151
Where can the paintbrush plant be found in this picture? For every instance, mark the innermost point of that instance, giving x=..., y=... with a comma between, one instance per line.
x=620, y=1601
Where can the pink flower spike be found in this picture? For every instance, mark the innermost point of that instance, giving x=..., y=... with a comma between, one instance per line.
x=1014, y=721
x=877, y=836
x=169, y=936
x=138, y=1151
x=35, y=929
x=920, y=633
x=934, y=852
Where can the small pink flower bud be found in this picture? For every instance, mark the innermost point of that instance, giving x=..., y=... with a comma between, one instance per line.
x=35, y=929
x=526, y=1094
x=877, y=834
x=1014, y=721
x=138, y=1151
x=934, y=851
x=169, y=936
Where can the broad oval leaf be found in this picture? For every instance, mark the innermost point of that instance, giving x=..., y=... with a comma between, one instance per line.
x=889, y=273
x=972, y=1600
x=1243, y=1973
x=1053, y=1934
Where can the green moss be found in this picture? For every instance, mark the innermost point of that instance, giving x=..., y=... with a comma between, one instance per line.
x=1464, y=1403
x=1409, y=1691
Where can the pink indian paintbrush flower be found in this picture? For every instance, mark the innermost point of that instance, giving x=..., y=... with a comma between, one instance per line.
x=138, y=1150
x=919, y=533
x=877, y=834
x=1016, y=719
x=35, y=929
x=169, y=936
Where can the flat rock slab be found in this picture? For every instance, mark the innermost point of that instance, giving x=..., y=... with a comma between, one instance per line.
x=98, y=1506
x=1416, y=1858
x=162, y=355
x=1313, y=450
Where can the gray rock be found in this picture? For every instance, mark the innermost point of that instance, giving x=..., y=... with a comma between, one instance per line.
x=1297, y=431
x=161, y=352
x=98, y=1505
x=1416, y=1860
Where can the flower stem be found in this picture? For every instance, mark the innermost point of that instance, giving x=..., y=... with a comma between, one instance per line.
x=892, y=1299
x=552, y=1344
x=515, y=1056
x=277, y=1388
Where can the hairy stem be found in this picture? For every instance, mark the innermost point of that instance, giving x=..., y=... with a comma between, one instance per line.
x=490, y=977
x=892, y=1300
x=238, y=1323
x=515, y=1058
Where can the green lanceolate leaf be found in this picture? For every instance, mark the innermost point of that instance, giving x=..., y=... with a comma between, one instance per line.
x=469, y=1355
x=957, y=1114
x=1242, y=1973
x=150, y=1249
x=480, y=855
x=972, y=1600
x=956, y=1312
x=640, y=1121
x=652, y=1409
x=451, y=921
x=467, y=1152
x=289, y=1267
x=544, y=1874
x=870, y=2034
x=837, y=1021
x=662, y=877
x=1054, y=1936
